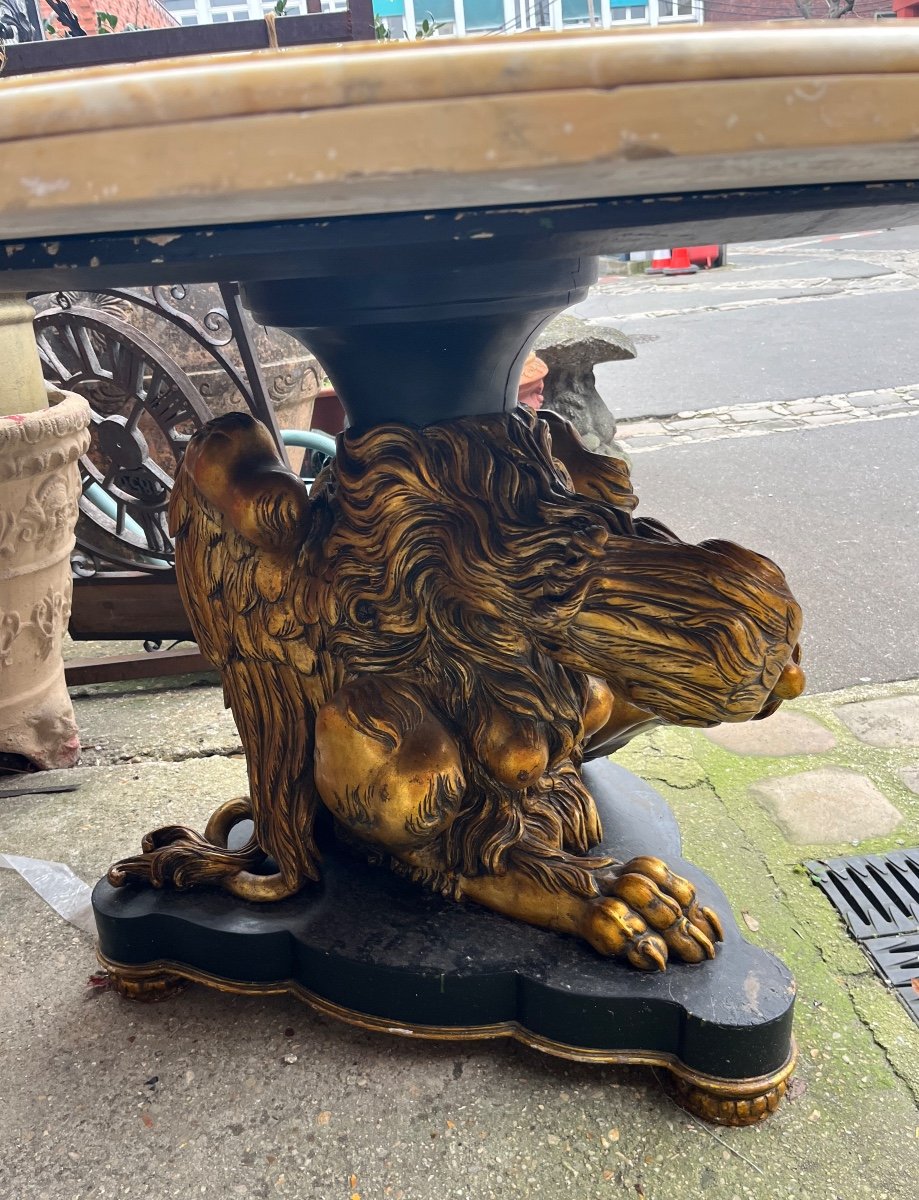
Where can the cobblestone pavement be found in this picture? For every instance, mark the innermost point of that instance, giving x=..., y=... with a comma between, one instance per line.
x=744, y=420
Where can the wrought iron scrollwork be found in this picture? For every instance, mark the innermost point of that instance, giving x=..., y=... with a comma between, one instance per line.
x=145, y=407
x=19, y=21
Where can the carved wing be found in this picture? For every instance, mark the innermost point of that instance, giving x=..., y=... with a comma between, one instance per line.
x=255, y=613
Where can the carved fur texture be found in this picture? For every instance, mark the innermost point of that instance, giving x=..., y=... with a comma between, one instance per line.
x=431, y=642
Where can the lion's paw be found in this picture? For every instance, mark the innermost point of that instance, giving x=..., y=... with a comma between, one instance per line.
x=647, y=912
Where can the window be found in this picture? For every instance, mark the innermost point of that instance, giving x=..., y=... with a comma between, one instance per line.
x=435, y=10
x=576, y=13
x=627, y=12
x=224, y=14
x=439, y=12
x=484, y=14
x=675, y=8
x=183, y=10
x=396, y=27
x=538, y=14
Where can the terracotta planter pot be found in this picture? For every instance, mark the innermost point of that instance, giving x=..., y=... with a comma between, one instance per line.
x=39, y=495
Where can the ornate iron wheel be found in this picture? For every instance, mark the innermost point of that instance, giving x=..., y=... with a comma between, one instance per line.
x=145, y=409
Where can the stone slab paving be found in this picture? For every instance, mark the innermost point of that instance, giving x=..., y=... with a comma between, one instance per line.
x=221, y=1096
x=114, y=806
x=827, y=805
x=793, y=804
x=887, y=721
x=783, y=734
x=165, y=721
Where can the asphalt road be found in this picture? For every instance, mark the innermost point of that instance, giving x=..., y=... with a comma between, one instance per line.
x=836, y=507
x=782, y=321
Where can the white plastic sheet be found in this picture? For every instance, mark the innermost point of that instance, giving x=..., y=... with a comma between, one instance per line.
x=57, y=885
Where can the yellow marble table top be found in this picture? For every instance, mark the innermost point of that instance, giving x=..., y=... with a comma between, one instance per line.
x=365, y=128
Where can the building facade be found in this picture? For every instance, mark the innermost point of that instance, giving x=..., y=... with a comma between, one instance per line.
x=735, y=11
x=207, y=12
x=129, y=14
x=460, y=17
x=455, y=18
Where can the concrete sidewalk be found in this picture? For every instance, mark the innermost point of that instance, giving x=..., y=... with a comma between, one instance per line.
x=222, y=1096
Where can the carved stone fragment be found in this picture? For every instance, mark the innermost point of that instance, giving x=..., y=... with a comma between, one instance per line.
x=39, y=495
x=571, y=348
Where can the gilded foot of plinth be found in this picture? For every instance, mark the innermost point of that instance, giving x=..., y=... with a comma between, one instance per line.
x=146, y=985
x=735, y=1102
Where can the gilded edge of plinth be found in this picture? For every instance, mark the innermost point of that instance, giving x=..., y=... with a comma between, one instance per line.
x=736, y=1102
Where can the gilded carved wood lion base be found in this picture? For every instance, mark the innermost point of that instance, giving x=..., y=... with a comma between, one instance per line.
x=368, y=947
x=431, y=643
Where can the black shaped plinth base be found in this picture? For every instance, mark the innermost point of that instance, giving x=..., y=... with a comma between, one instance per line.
x=371, y=948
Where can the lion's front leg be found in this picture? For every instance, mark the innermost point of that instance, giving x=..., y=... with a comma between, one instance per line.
x=640, y=911
x=392, y=775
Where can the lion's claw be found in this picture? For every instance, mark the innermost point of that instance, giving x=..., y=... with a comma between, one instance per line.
x=715, y=921
x=648, y=954
x=688, y=942
x=707, y=921
x=645, y=911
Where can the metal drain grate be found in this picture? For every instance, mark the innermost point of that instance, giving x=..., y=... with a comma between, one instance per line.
x=877, y=896
x=896, y=960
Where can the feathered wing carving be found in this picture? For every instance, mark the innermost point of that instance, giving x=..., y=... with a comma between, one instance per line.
x=249, y=617
x=255, y=613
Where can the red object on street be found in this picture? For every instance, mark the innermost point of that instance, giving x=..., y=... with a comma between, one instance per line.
x=660, y=261
x=704, y=256
x=679, y=260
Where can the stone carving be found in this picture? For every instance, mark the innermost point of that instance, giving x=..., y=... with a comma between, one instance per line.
x=49, y=618
x=571, y=348
x=10, y=625
x=39, y=494
x=33, y=444
x=47, y=511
